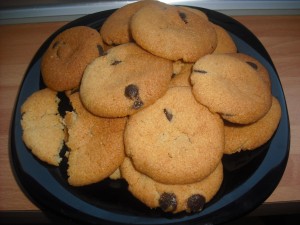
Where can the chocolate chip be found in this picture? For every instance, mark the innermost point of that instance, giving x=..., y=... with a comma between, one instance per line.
x=253, y=65
x=173, y=75
x=168, y=202
x=200, y=71
x=116, y=62
x=168, y=114
x=132, y=91
x=100, y=50
x=195, y=203
x=137, y=104
x=183, y=17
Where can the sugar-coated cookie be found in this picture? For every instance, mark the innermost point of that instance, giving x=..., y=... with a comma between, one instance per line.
x=230, y=87
x=173, y=32
x=96, y=144
x=115, y=29
x=68, y=55
x=176, y=140
x=123, y=81
x=43, y=130
x=172, y=198
x=249, y=137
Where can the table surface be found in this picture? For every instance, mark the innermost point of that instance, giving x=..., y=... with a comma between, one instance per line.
x=279, y=34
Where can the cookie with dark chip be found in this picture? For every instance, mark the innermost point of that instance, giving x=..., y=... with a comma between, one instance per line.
x=249, y=137
x=96, y=145
x=231, y=87
x=173, y=32
x=176, y=140
x=124, y=81
x=68, y=55
x=172, y=198
x=43, y=129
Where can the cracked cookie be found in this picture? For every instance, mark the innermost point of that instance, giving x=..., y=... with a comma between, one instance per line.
x=96, y=144
x=176, y=140
x=43, y=129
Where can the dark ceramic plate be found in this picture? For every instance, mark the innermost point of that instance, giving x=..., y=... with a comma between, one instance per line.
x=249, y=177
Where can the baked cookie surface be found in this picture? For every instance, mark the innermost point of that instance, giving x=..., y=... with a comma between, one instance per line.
x=225, y=43
x=96, y=144
x=68, y=55
x=115, y=30
x=176, y=140
x=249, y=137
x=172, y=198
x=230, y=87
x=124, y=81
x=181, y=74
x=173, y=32
x=43, y=130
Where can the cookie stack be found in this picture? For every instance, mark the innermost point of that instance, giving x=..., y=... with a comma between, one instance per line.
x=159, y=94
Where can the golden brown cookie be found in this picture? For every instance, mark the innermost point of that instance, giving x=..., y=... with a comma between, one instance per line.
x=125, y=80
x=172, y=198
x=249, y=137
x=115, y=30
x=96, y=145
x=181, y=74
x=43, y=130
x=255, y=64
x=68, y=55
x=225, y=42
x=176, y=140
x=196, y=11
x=230, y=87
x=173, y=32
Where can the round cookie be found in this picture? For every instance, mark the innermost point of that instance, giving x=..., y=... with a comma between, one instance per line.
x=43, y=130
x=172, y=198
x=181, y=74
x=115, y=29
x=230, y=87
x=249, y=137
x=124, y=81
x=255, y=64
x=176, y=140
x=173, y=32
x=225, y=43
x=96, y=144
x=68, y=55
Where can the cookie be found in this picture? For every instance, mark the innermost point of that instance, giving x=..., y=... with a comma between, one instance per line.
x=181, y=74
x=115, y=29
x=249, y=137
x=172, y=32
x=230, y=87
x=172, y=198
x=176, y=140
x=124, y=81
x=196, y=11
x=256, y=65
x=96, y=144
x=68, y=55
x=43, y=130
x=225, y=43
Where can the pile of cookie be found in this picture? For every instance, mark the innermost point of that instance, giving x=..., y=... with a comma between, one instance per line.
x=159, y=94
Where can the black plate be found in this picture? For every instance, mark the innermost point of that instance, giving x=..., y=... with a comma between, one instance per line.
x=249, y=177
